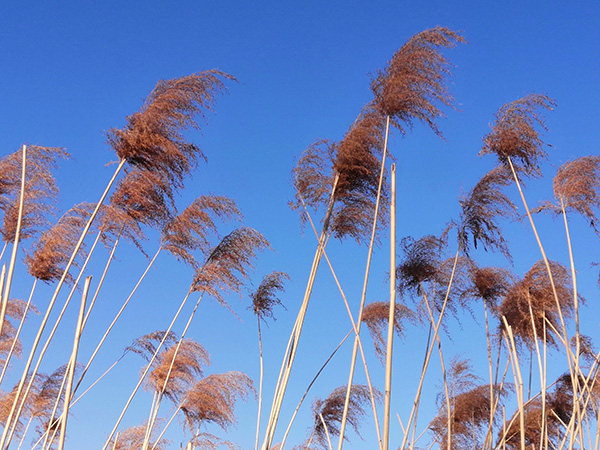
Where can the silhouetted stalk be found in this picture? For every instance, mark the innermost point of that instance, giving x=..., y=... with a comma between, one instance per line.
x=308, y=389
x=13, y=256
x=260, y=382
x=15, y=247
x=292, y=346
x=148, y=367
x=512, y=348
x=362, y=353
x=17, y=334
x=4, y=442
x=162, y=391
x=364, y=291
x=391, y=319
x=73, y=362
x=112, y=324
x=432, y=342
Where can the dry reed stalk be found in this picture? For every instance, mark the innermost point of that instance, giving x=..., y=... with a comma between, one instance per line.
x=326, y=431
x=373, y=400
x=512, y=348
x=282, y=443
x=392, y=315
x=428, y=355
x=364, y=289
x=53, y=331
x=3, y=441
x=13, y=257
x=71, y=370
x=292, y=345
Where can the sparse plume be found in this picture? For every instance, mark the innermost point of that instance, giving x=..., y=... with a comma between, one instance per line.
x=265, y=298
x=376, y=317
x=132, y=438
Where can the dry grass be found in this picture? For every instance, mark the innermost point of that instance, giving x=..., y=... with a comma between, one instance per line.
x=265, y=298
x=376, y=316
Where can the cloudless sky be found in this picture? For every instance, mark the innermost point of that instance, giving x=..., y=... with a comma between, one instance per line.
x=73, y=70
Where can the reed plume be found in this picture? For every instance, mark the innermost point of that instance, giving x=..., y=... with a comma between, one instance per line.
x=358, y=165
x=414, y=80
x=53, y=249
x=208, y=441
x=176, y=368
x=376, y=317
x=212, y=399
x=331, y=410
x=152, y=139
x=490, y=284
x=535, y=291
x=132, y=438
x=229, y=262
x=145, y=196
x=265, y=298
x=15, y=309
x=577, y=187
x=190, y=230
x=514, y=135
x=480, y=210
x=39, y=194
x=7, y=399
x=146, y=345
x=470, y=411
x=421, y=261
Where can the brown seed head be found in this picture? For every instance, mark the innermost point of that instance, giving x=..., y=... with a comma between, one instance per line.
x=514, y=133
x=133, y=438
x=536, y=291
x=212, y=399
x=577, y=185
x=190, y=230
x=266, y=296
x=153, y=139
x=414, y=81
x=376, y=317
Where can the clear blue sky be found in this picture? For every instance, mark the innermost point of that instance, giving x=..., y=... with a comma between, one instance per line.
x=72, y=70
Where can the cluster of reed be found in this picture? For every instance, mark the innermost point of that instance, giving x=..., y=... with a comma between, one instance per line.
x=347, y=182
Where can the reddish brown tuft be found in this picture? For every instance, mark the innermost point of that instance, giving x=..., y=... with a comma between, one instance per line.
x=376, y=316
x=265, y=298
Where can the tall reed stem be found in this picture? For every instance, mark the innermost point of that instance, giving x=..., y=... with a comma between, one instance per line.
x=4, y=442
x=364, y=290
x=392, y=316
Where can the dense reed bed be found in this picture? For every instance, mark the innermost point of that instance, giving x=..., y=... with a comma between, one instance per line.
x=534, y=382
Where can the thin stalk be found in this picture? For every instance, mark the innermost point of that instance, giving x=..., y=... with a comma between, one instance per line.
x=428, y=355
x=26, y=428
x=16, y=339
x=13, y=256
x=53, y=331
x=392, y=316
x=4, y=442
x=292, y=347
x=143, y=376
x=260, y=382
x=3, y=250
x=166, y=427
x=360, y=346
x=112, y=324
x=78, y=331
x=364, y=290
x=179, y=342
x=326, y=431
x=98, y=380
x=510, y=342
x=308, y=389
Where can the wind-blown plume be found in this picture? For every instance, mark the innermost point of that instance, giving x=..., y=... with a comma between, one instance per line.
x=212, y=399
x=54, y=247
x=229, y=262
x=145, y=196
x=40, y=190
x=152, y=139
x=481, y=209
x=146, y=345
x=332, y=411
x=15, y=309
x=376, y=316
x=577, y=184
x=415, y=79
x=182, y=364
x=490, y=284
x=514, y=133
x=190, y=230
x=535, y=289
x=265, y=298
